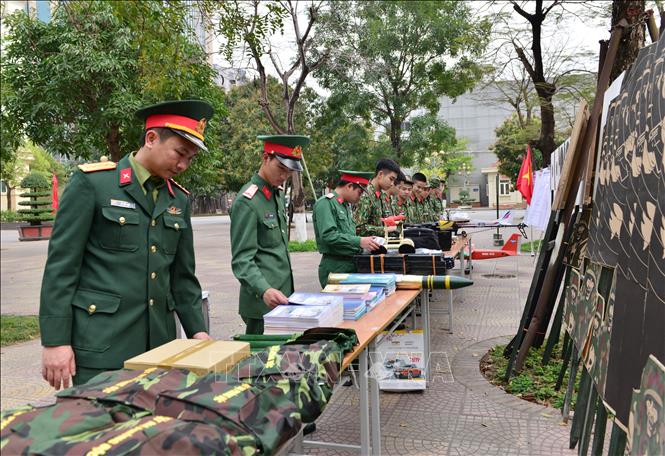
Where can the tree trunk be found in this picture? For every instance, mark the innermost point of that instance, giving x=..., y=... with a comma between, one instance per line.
x=633, y=38
x=546, y=143
x=9, y=197
x=396, y=137
x=113, y=143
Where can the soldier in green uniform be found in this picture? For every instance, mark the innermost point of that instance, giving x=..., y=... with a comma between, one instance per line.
x=434, y=198
x=393, y=193
x=404, y=201
x=121, y=256
x=259, y=232
x=421, y=210
x=375, y=203
x=334, y=227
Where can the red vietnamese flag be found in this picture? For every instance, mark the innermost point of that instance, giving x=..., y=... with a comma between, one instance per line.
x=54, y=194
x=525, y=177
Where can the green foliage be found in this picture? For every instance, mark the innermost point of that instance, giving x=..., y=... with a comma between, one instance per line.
x=40, y=209
x=306, y=246
x=387, y=59
x=510, y=146
x=73, y=84
x=18, y=328
x=446, y=161
x=238, y=25
x=336, y=142
x=526, y=246
x=536, y=382
x=9, y=216
x=464, y=197
x=35, y=180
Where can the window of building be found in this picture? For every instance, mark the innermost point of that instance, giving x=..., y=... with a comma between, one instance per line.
x=504, y=187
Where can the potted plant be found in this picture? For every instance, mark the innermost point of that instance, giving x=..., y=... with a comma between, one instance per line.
x=40, y=208
x=464, y=199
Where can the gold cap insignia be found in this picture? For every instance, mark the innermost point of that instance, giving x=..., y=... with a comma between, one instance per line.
x=201, y=126
x=297, y=151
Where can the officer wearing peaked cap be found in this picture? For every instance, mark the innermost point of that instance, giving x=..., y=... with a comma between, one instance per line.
x=121, y=256
x=259, y=231
x=335, y=229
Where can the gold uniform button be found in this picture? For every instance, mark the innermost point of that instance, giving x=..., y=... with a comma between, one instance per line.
x=153, y=275
x=121, y=220
x=176, y=226
x=153, y=222
x=151, y=302
x=153, y=248
x=91, y=309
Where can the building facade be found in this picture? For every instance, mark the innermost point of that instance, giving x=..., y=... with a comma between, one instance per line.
x=475, y=120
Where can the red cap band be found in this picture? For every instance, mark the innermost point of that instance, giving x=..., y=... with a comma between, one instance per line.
x=354, y=179
x=286, y=151
x=183, y=123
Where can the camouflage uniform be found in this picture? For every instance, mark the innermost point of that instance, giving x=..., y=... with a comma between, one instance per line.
x=373, y=205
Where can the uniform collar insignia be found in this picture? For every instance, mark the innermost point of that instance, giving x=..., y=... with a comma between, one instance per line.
x=266, y=192
x=340, y=200
x=125, y=176
x=174, y=210
x=377, y=193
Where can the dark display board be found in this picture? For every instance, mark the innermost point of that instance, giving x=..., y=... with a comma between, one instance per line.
x=627, y=233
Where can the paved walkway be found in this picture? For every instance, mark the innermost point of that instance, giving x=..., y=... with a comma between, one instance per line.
x=459, y=414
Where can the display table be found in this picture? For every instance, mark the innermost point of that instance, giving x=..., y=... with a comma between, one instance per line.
x=369, y=329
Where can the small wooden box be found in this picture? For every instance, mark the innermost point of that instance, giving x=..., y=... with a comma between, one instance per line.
x=198, y=356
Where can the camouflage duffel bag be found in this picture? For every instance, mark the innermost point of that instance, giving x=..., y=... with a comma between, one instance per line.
x=322, y=359
x=150, y=435
x=135, y=388
x=264, y=412
x=346, y=338
x=28, y=430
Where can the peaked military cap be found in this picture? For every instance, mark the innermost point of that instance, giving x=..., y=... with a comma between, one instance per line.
x=286, y=148
x=355, y=177
x=186, y=118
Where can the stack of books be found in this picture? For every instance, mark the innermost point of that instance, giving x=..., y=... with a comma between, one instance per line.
x=355, y=298
x=386, y=281
x=378, y=295
x=304, y=311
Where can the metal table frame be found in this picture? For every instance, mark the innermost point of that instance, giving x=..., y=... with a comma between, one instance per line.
x=370, y=409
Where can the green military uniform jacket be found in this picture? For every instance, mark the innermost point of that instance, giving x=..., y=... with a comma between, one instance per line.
x=116, y=271
x=373, y=205
x=335, y=233
x=259, y=245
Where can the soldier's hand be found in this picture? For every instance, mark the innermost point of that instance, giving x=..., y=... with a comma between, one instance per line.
x=58, y=365
x=273, y=297
x=202, y=336
x=368, y=243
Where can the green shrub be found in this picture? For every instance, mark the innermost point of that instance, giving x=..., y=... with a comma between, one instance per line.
x=40, y=209
x=8, y=216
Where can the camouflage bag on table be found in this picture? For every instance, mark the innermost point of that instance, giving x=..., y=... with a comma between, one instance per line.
x=136, y=388
x=29, y=430
x=262, y=412
x=307, y=373
x=150, y=435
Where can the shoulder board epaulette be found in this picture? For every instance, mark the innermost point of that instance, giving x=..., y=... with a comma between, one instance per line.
x=184, y=190
x=330, y=195
x=250, y=191
x=99, y=166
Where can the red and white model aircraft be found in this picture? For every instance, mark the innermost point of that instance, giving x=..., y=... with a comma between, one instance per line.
x=508, y=249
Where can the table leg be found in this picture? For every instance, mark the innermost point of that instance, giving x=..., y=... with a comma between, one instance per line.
x=470, y=259
x=461, y=261
x=364, y=403
x=375, y=403
x=424, y=311
x=450, y=311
